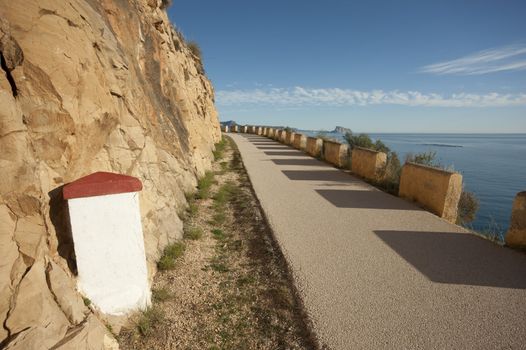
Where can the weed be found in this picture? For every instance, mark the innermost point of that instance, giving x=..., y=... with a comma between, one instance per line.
x=220, y=149
x=192, y=209
x=170, y=255
x=424, y=158
x=218, y=234
x=194, y=48
x=87, y=301
x=468, y=205
x=493, y=231
x=166, y=4
x=161, y=294
x=204, y=184
x=219, y=218
x=149, y=319
x=219, y=267
x=193, y=233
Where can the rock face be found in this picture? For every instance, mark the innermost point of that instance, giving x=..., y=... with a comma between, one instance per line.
x=85, y=86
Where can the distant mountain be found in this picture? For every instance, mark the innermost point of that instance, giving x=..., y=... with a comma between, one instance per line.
x=229, y=123
x=340, y=130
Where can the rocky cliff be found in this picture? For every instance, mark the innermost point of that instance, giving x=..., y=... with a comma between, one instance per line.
x=85, y=86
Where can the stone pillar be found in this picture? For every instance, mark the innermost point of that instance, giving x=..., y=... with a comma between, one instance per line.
x=336, y=153
x=367, y=163
x=270, y=133
x=516, y=236
x=109, y=245
x=299, y=142
x=235, y=128
x=314, y=146
x=289, y=137
x=244, y=129
x=435, y=189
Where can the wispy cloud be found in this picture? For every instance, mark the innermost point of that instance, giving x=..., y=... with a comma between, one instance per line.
x=508, y=58
x=299, y=96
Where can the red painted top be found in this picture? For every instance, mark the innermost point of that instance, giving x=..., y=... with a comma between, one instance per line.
x=100, y=184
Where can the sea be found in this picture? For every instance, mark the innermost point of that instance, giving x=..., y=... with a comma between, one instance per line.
x=493, y=167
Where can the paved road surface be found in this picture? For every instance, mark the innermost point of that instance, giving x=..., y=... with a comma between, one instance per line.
x=376, y=272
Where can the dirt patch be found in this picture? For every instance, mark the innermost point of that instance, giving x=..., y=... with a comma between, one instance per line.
x=231, y=288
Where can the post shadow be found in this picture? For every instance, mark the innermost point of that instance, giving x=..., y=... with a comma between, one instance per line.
x=289, y=152
x=366, y=199
x=59, y=215
x=456, y=258
x=299, y=161
x=319, y=175
x=274, y=147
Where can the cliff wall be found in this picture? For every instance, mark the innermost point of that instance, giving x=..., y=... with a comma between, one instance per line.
x=85, y=86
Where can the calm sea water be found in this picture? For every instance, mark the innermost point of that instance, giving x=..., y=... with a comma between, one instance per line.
x=493, y=167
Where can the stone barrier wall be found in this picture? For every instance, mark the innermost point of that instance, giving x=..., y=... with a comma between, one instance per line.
x=335, y=153
x=516, y=236
x=270, y=132
x=435, y=189
x=314, y=146
x=244, y=129
x=300, y=142
x=235, y=128
x=367, y=163
x=224, y=128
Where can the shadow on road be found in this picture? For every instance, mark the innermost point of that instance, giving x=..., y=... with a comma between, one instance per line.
x=290, y=152
x=299, y=161
x=455, y=258
x=320, y=175
x=365, y=200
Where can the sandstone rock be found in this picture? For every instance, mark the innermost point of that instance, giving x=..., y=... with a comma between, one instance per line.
x=90, y=335
x=63, y=288
x=111, y=95
x=9, y=254
x=35, y=312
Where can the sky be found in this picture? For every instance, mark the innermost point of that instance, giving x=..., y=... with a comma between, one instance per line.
x=372, y=66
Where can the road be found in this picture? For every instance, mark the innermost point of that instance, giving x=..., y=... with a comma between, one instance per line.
x=377, y=272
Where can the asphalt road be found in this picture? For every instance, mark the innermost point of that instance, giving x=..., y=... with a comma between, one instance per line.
x=377, y=272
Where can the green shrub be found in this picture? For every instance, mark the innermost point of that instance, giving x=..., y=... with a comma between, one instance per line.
x=468, y=206
x=424, y=158
x=170, y=255
x=193, y=233
x=324, y=135
x=365, y=141
x=390, y=176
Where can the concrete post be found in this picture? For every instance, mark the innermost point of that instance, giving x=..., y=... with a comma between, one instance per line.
x=108, y=239
x=335, y=153
x=367, y=163
x=435, y=189
x=516, y=236
x=314, y=146
x=299, y=142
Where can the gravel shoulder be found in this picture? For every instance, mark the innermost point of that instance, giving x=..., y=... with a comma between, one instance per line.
x=231, y=288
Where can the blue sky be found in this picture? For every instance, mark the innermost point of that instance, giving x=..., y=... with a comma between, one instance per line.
x=372, y=66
